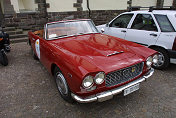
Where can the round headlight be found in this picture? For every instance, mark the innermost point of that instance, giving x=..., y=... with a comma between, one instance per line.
x=88, y=82
x=155, y=59
x=99, y=78
x=149, y=61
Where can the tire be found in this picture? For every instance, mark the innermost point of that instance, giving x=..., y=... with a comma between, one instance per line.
x=34, y=55
x=164, y=59
x=3, y=59
x=62, y=85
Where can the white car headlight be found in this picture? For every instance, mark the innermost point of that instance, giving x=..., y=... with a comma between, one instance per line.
x=155, y=59
x=99, y=78
x=149, y=61
x=88, y=82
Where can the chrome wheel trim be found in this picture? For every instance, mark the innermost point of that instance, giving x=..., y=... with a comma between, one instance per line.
x=61, y=83
x=161, y=60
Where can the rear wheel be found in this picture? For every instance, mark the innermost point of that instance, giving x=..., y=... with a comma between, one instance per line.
x=62, y=85
x=3, y=58
x=164, y=59
x=34, y=55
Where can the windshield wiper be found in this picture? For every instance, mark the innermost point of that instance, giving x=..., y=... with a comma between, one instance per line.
x=86, y=33
x=62, y=35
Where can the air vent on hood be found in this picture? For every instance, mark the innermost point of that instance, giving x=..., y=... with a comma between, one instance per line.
x=114, y=53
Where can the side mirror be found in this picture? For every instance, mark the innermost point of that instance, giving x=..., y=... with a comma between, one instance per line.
x=107, y=25
x=102, y=30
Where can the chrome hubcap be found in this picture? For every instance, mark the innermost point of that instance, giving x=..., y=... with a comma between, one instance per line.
x=61, y=83
x=161, y=60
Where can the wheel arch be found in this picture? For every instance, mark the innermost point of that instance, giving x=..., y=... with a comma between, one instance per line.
x=156, y=46
x=53, y=66
x=29, y=41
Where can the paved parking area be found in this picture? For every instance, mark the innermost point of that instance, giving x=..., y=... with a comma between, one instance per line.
x=27, y=90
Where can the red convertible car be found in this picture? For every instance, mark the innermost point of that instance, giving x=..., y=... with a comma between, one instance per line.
x=87, y=65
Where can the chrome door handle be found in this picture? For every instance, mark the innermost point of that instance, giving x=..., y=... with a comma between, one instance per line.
x=124, y=31
x=155, y=35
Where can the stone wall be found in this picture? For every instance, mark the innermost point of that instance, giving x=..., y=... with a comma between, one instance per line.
x=26, y=21
x=98, y=16
x=101, y=16
x=35, y=21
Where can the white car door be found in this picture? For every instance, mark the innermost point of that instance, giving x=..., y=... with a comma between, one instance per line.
x=118, y=26
x=168, y=33
x=143, y=30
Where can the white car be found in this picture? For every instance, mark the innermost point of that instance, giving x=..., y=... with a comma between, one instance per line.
x=155, y=29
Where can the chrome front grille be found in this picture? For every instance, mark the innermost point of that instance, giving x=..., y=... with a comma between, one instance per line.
x=123, y=75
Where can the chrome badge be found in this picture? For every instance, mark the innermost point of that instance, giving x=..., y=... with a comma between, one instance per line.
x=133, y=69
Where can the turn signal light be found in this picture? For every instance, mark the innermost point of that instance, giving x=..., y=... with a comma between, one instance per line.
x=1, y=39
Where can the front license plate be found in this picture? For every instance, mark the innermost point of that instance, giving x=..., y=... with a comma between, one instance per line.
x=131, y=89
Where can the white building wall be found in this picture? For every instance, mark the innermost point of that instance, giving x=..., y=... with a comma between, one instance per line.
x=61, y=5
x=29, y=5
x=24, y=4
x=84, y=5
x=67, y=5
x=15, y=5
x=144, y=3
x=108, y=4
x=168, y=2
x=20, y=4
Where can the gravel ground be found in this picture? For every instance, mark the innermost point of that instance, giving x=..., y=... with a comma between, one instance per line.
x=27, y=90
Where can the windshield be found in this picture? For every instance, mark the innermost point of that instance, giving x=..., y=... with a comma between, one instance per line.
x=164, y=23
x=70, y=28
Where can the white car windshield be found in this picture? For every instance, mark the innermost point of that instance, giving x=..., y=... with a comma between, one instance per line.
x=70, y=28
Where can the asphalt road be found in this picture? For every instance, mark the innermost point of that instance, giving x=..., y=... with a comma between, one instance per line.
x=27, y=90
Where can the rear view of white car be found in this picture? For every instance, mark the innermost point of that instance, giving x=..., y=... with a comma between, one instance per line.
x=155, y=29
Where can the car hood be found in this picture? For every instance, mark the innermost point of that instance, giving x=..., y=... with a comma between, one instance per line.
x=97, y=52
x=103, y=25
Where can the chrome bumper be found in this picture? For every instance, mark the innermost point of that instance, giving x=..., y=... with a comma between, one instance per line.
x=173, y=61
x=103, y=96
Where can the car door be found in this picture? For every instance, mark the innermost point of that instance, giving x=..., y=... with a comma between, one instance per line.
x=118, y=26
x=41, y=48
x=45, y=51
x=143, y=30
x=168, y=33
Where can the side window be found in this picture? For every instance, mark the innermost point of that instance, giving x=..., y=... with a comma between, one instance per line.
x=122, y=21
x=164, y=23
x=144, y=22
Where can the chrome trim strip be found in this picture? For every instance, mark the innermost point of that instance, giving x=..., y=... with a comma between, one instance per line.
x=173, y=61
x=86, y=100
x=103, y=96
x=114, y=53
x=150, y=73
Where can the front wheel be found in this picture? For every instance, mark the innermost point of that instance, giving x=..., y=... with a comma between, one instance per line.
x=164, y=60
x=3, y=58
x=62, y=85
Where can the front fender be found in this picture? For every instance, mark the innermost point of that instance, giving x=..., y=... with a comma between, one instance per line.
x=73, y=69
